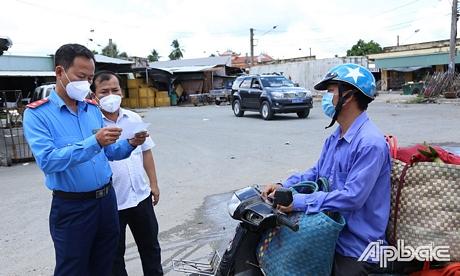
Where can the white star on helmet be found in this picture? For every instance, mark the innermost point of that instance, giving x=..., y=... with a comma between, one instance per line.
x=354, y=73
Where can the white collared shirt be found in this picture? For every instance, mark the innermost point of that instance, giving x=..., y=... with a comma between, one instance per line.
x=128, y=177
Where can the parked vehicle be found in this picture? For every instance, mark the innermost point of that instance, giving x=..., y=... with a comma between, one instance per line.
x=42, y=92
x=222, y=94
x=269, y=95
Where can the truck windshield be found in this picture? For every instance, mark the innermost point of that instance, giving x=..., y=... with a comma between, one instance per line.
x=276, y=82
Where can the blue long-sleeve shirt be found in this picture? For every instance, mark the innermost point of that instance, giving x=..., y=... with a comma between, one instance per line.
x=358, y=167
x=65, y=146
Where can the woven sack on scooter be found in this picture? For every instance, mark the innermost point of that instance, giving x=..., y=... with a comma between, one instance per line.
x=425, y=206
x=309, y=251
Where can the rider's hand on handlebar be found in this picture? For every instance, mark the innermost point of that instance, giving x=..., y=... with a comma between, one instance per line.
x=270, y=189
x=284, y=209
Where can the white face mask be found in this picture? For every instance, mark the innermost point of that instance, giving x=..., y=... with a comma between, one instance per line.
x=110, y=103
x=77, y=90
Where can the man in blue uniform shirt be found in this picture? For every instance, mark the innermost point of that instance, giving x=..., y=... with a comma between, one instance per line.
x=72, y=148
x=356, y=161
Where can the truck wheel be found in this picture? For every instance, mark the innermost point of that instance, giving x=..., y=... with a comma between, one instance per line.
x=237, y=108
x=266, y=111
x=303, y=114
x=217, y=102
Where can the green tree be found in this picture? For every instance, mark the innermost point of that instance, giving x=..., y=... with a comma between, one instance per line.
x=123, y=55
x=362, y=48
x=110, y=50
x=154, y=56
x=177, y=51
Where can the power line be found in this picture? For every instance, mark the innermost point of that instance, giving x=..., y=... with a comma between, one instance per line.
x=391, y=27
x=398, y=7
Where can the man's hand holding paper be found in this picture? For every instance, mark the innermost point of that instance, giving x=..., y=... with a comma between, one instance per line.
x=136, y=133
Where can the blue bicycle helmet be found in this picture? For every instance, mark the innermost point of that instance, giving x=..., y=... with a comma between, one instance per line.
x=353, y=74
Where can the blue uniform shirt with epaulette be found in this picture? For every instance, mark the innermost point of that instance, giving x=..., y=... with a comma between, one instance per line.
x=65, y=146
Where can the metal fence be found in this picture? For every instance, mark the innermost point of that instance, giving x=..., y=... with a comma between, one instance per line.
x=441, y=83
x=13, y=145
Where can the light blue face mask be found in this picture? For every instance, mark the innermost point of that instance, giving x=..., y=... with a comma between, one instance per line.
x=328, y=105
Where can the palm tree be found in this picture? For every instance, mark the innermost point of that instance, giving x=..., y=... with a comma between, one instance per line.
x=154, y=56
x=177, y=51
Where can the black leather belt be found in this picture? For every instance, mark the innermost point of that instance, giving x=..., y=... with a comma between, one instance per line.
x=85, y=195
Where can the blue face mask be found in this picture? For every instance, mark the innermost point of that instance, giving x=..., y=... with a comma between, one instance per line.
x=328, y=105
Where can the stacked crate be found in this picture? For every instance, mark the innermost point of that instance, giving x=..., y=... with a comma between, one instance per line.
x=162, y=98
x=133, y=93
x=140, y=94
x=146, y=96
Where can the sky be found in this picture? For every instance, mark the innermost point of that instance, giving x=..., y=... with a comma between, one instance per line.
x=205, y=27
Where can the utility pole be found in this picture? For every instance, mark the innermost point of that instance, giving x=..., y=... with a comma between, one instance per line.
x=453, y=39
x=251, y=40
x=111, y=48
x=397, y=40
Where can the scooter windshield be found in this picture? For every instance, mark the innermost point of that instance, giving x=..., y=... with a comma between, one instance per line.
x=240, y=196
x=247, y=193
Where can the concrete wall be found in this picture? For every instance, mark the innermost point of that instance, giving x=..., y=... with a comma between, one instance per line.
x=307, y=73
x=418, y=46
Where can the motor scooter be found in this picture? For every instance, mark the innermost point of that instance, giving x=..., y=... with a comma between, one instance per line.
x=255, y=215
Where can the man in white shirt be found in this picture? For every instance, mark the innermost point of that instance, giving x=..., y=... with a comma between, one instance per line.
x=135, y=196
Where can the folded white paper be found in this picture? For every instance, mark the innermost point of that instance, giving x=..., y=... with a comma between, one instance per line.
x=132, y=128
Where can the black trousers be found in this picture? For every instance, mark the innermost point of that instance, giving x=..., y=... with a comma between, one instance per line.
x=144, y=227
x=85, y=235
x=348, y=266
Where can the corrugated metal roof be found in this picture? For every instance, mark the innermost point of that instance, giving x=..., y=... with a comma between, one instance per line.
x=186, y=69
x=209, y=61
x=21, y=64
x=26, y=63
x=27, y=73
x=106, y=59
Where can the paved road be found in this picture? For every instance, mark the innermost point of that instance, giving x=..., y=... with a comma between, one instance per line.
x=202, y=154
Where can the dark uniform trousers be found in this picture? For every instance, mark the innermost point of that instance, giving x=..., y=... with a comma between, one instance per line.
x=85, y=233
x=144, y=227
x=348, y=266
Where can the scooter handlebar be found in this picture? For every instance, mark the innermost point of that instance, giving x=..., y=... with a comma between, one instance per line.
x=284, y=220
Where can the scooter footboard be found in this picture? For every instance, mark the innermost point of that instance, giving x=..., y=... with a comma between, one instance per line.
x=198, y=268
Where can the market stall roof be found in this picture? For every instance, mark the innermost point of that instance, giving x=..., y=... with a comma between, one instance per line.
x=106, y=59
x=185, y=69
x=16, y=63
x=209, y=61
x=27, y=73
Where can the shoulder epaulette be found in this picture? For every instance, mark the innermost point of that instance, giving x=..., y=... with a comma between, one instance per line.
x=90, y=101
x=37, y=103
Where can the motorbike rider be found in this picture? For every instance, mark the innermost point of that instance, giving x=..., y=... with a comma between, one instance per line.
x=356, y=161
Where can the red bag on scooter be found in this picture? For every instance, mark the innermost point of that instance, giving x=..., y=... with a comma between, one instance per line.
x=450, y=270
x=421, y=153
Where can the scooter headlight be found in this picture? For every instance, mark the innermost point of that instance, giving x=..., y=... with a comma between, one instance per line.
x=233, y=204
